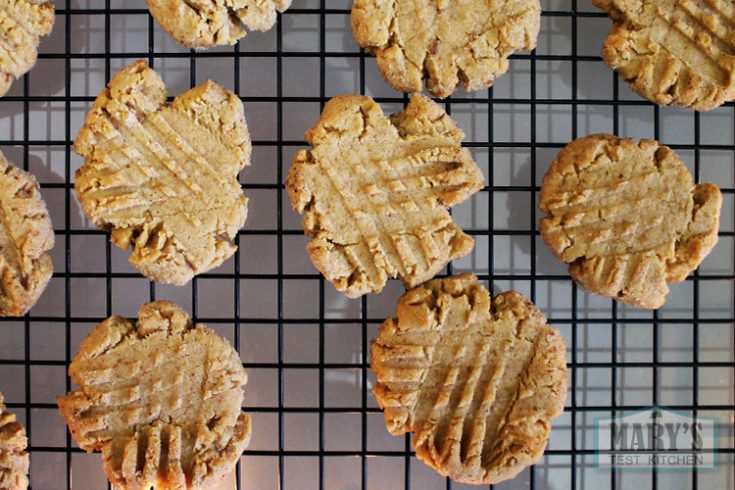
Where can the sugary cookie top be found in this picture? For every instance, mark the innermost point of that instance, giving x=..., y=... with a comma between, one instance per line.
x=22, y=23
x=627, y=217
x=26, y=237
x=207, y=23
x=374, y=192
x=446, y=41
x=160, y=398
x=477, y=380
x=13, y=457
x=163, y=177
x=678, y=52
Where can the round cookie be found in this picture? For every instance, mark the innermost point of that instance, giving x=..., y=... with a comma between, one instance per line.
x=477, y=380
x=445, y=41
x=22, y=23
x=374, y=192
x=678, y=52
x=163, y=177
x=208, y=23
x=161, y=399
x=627, y=217
x=13, y=457
x=26, y=235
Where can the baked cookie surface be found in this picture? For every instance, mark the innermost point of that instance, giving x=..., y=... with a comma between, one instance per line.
x=163, y=177
x=477, y=380
x=374, y=192
x=22, y=24
x=208, y=23
x=445, y=41
x=627, y=217
x=26, y=237
x=161, y=399
x=678, y=52
x=13, y=457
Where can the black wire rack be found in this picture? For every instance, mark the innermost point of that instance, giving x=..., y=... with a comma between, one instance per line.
x=305, y=347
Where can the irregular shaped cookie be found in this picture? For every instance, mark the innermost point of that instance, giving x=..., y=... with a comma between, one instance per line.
x=26, y=235
x=476, y=380
x=207, y=23
x=13, y=457
x=161, y=399
x=678, y=52
x=374, y=192
x=22, y=23
x=627, y=217
x=445, y=41
x=163, y=178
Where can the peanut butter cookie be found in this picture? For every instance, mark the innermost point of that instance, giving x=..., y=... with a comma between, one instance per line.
x=627, y=217
x=678, y=52
x=161, y=399
x=13, y=457
x=374, y=192
x=26, y=236
x=22, y=23
x=163, y=178
x=207, y=23
x=445, y=41
x=477, y=380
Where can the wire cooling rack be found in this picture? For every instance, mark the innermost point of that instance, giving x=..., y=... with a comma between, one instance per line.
x=316, y=424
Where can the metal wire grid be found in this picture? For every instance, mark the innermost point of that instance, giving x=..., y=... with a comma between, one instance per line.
x=63, y=319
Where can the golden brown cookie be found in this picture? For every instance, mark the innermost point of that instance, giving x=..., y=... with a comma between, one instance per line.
x=22, y=23
x=445, y=41
x=627, y=217
x=163, y=177
x=374, y=192
x=477, y=380
x=161, y=399
x=678, y=52
x=13, y=457
x=26, y=235
x=208, y=23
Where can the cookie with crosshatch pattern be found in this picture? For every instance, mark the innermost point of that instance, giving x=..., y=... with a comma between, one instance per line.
x=26, y=237
x=476, y=379
x=678, y=52
x=627, y=217
x=13, y=457
x=160, y=399
x=163, y=177
x=446, y=41
x=22, y=24
x=374, y=192
x=208, y=23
